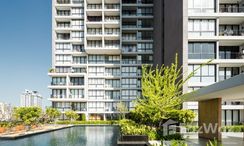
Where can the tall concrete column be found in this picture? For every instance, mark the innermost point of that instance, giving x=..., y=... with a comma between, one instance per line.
x=209, y=118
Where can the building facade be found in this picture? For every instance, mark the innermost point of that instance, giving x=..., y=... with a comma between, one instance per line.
x=30, y=98
x=215, y=31
x=98, y=49
x=5, y=111
x=99, y=46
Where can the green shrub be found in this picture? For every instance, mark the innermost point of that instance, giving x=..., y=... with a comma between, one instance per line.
x=83, y=117
x=178, y=143
x=176, y=136
x=190, y=128
x=234, y=128
x=128, y=127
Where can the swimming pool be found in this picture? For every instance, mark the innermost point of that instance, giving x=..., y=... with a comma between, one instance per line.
x=74, y=136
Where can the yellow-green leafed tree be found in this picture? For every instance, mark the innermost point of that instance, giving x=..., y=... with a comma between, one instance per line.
x=161, y=95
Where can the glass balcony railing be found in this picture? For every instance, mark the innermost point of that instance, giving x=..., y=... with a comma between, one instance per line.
x=230, y=55
x=94, y=6
x=112, y=6
x=58, y=96
x=231, y=9
x=58, y=83
x=201, y=56
x=63, y=1
x=112, y=19
x=230, y=32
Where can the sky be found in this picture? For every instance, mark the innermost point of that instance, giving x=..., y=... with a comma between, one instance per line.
x=25, y=48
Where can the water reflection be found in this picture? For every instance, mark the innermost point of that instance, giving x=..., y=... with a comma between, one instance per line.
x=76, y=136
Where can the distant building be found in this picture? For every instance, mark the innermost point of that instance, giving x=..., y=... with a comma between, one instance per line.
x=30, y=98
x=5, y=111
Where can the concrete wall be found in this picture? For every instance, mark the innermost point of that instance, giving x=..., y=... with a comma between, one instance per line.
x=209, y=113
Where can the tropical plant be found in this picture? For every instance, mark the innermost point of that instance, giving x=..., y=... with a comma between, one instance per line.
x=213, y=143
x=51, y=70
x=162, y=92
x=52, y=114
x=28, y=115
x=122, y=109
x=71, y=115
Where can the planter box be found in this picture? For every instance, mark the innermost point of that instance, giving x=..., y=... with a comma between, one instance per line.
x=133, y=140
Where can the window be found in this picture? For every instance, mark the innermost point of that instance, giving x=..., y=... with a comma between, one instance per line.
x=79, y=60
x=94, y=43
x=77, y=93
x=201, y=6
x=229, y=52
x=228, y=72
x=77, y=81
x=204, y=74
x=129, y=94
x=201, y=51
x=62, y=59
x=77, y=24
x=61, y=69
x=77, y=11
x=63, y=47
x=78, y=48
x=94, y=31
x=96, y=83
x=78, y=1
x=58, y=93
x=112, y=83
x=129, y=83
x=112, y=95
x=58, y=81
x=112, y=59
x=63, y=24
x=129, y=71
x=96, y=59
x=144, y=47
x=112, y=71
x=77, y=34
x=96, y=71
x=96, y=94
x=96, y=106
x=201, y=27
x=144, y=11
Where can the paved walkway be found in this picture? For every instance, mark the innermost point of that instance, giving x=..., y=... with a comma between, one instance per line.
x=228, y=139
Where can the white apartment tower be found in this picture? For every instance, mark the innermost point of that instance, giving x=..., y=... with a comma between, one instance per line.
x=98, y=48
x=216, y=31
x=30, y=98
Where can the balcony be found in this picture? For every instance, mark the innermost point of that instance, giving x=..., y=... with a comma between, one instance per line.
x=94, y=6
x=112, y=6
x=94, y=18
x=129, y=49
x=63, y=1
x=63, y=36
x=230, y=55
x=58, y=83
x=94, y=31
x=231, y=8
x=58, y=96
x=201, y=55
x=231, y=32
x=112, y=19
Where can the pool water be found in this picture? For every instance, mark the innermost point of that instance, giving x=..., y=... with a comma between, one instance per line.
x=75, y=136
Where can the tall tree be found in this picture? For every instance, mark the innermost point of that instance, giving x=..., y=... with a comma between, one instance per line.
x=52, y=114
x=161, y=95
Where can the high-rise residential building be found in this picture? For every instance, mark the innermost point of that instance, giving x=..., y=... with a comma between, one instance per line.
x=99, y=46
x=5, y=111
x=30, y=98
x=216, y=31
